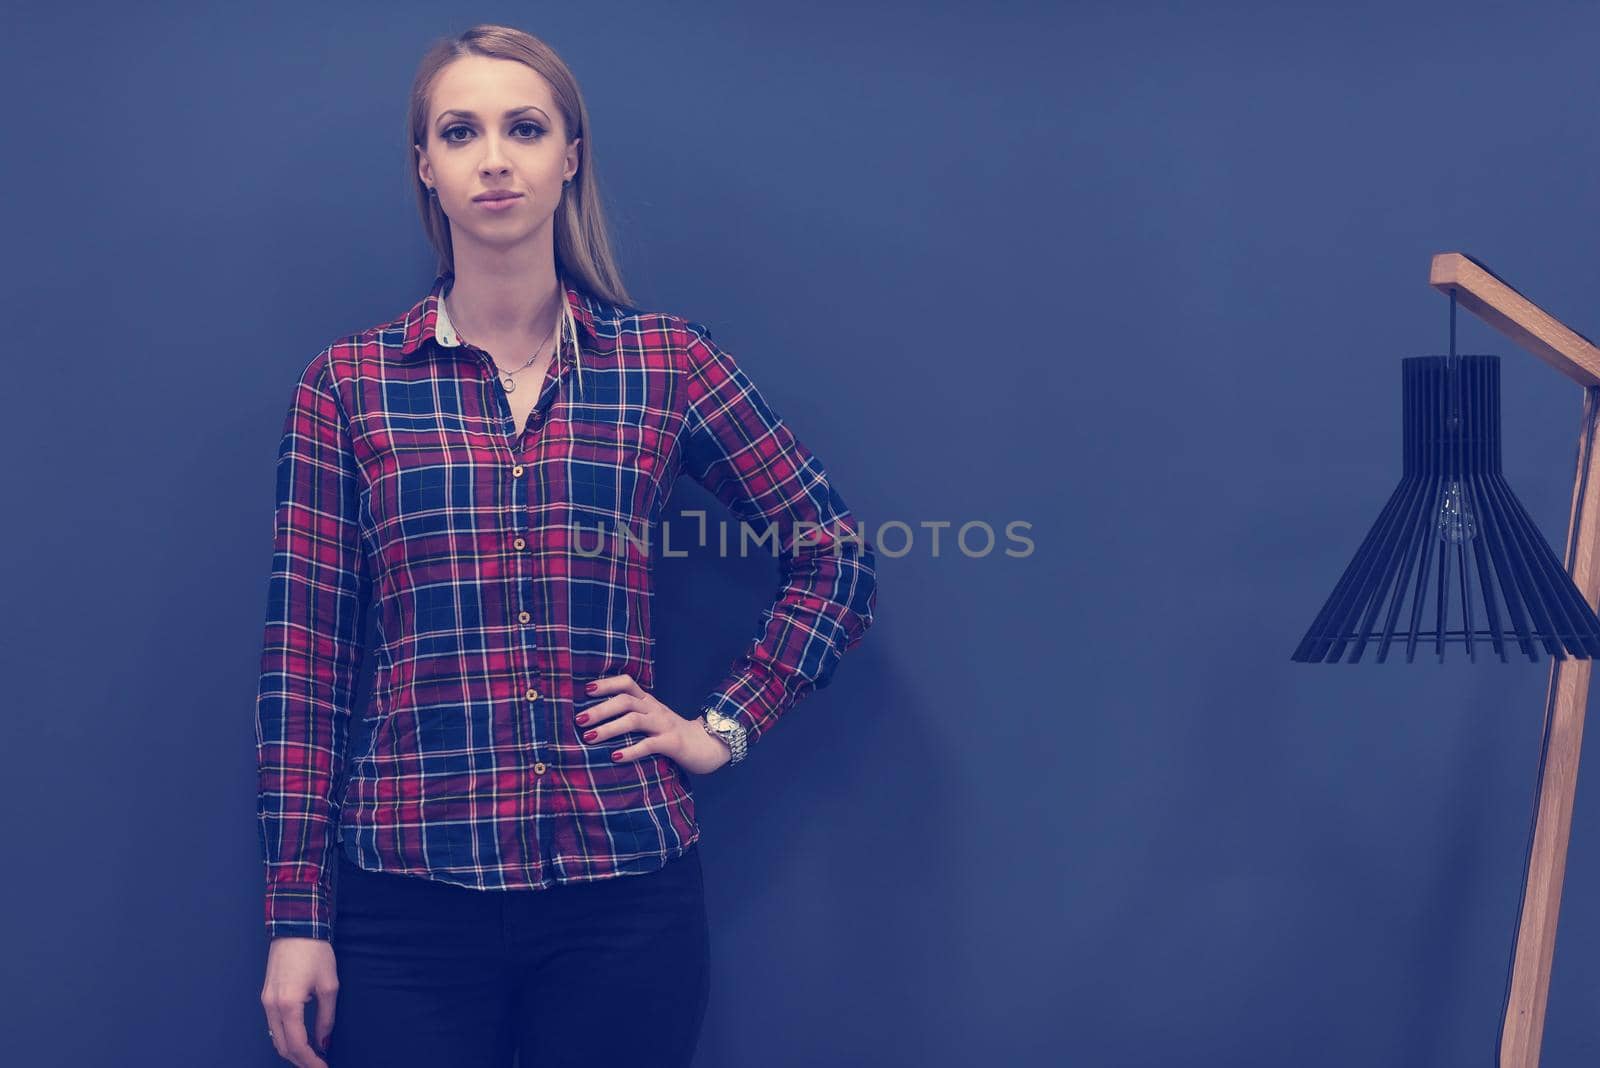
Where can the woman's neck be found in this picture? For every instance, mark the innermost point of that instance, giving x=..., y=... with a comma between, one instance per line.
x=516, y=308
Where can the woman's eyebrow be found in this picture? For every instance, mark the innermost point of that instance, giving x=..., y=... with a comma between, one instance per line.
x=473, y=115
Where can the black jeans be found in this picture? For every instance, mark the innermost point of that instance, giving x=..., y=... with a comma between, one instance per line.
x=610, y=972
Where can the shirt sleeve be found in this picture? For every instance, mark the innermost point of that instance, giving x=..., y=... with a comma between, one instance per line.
x=317, y=598
x=740, y=450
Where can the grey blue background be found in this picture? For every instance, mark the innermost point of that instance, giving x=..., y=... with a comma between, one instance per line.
x=1138, y=274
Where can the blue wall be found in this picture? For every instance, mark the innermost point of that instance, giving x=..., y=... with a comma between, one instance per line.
x=1141, y=277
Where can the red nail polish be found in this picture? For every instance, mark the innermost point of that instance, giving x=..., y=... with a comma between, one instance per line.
x=583, y=717
x=588, y=687
x=617, y=755
x=588, y=736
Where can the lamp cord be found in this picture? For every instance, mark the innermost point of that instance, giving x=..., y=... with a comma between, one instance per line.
x=1452, y=365
x=1591, y=398
x=1452, y=322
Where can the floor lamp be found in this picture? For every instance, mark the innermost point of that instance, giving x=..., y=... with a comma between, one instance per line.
x=1453, y=508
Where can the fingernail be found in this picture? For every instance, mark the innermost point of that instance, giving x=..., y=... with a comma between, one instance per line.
x=583, y=717
x=588, y=736
x=588, y=687
x=617, y=755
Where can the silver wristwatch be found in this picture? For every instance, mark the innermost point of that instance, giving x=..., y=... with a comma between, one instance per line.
x=729, y=730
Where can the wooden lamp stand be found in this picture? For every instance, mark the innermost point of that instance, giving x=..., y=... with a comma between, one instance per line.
x=1483, y=293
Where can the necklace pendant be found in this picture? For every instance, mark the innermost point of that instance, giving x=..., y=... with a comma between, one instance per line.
x=508, y=382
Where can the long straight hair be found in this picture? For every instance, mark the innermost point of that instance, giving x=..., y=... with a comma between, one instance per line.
x=582, y=246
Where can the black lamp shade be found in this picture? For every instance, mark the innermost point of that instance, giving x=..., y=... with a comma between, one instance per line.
x=1454, y=557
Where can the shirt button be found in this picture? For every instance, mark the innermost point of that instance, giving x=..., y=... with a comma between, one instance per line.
x=516, y=472
x=523, y=617
x=539, y=768
x=532, y=694
x=520, y=544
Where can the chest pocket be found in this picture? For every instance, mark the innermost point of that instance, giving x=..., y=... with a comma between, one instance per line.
x=618, y=443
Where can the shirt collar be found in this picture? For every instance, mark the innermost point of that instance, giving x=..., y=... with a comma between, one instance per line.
x=427, y=319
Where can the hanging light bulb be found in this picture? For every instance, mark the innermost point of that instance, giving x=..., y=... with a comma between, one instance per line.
x=1456, y=523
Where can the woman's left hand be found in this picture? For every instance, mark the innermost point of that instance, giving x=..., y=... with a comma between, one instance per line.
x=627, y=707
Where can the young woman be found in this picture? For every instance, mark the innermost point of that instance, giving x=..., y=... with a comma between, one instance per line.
x=515, y=836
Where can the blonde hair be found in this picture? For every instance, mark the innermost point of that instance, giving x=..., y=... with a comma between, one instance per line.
x=582, y=247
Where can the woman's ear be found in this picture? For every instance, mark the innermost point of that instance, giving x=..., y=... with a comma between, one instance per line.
x=572, y=157
x=424, y=168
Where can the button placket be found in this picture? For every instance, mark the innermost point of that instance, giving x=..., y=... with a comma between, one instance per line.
x=531, y=695
x=519, y=443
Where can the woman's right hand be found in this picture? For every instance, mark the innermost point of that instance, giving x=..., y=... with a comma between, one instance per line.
x=299, y=969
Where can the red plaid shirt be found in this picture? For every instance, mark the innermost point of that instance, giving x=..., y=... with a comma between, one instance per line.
x=510, y=565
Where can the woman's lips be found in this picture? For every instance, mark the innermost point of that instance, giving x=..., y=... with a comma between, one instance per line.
x=499, y=203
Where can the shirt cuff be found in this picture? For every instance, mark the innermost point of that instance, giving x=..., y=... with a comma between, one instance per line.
x=299, y=910
x=754, y=698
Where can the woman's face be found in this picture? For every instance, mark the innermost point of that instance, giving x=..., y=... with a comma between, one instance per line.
x=493, y=127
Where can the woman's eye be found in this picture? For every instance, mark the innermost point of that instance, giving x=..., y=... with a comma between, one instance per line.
x=529, y=129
